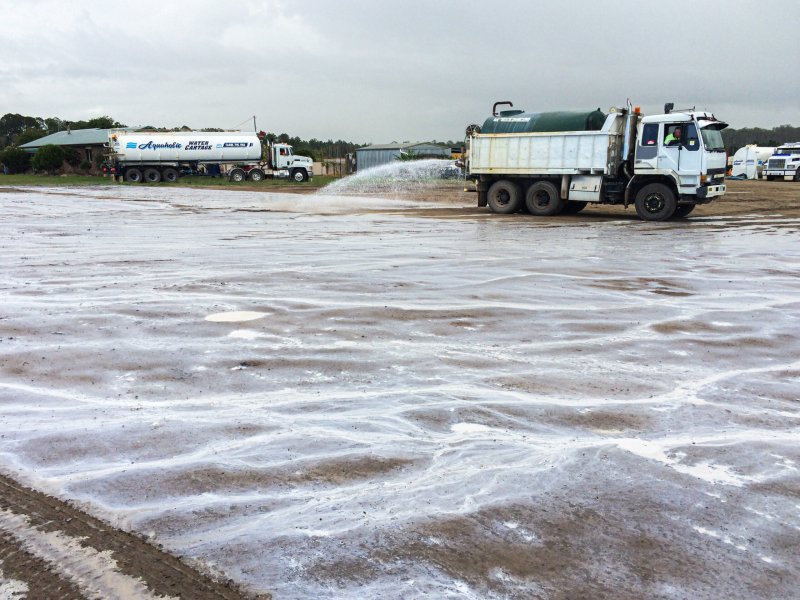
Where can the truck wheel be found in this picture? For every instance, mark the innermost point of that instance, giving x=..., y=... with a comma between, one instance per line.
x=169, y=175
x=655, y=202
x=299, y=175
x=133, y=175
x=573, y=207
x=543, y=199
x=256, y=175
x=797, y=174
x=152, y=175
x=504, y=197
x=683, y=210
x=237, y=175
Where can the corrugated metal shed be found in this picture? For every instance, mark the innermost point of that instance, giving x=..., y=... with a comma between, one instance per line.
x=384, y=154
x=78, y=137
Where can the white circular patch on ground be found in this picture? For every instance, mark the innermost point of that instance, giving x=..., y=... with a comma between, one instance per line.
x=244, y=334
x=236, y=317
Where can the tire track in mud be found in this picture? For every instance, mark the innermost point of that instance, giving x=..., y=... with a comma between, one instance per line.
x=53, y=551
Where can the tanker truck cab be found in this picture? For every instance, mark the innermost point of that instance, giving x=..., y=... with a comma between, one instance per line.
x=283, y=158
x=682, y=152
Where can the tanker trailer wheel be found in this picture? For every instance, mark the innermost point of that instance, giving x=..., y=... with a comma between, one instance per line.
x=683, y=210
x=543, y=199
x=655, y=202
x=169, y=175
x=299, y=175
x=237, y=175
x=573, y=207
x=152, y=175
x=256, y=175
x=133, y=175
x=504, y=197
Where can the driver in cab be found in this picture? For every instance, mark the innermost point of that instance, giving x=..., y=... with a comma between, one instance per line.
x=673, y=138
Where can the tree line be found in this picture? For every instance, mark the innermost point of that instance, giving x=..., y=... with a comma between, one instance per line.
x=738, y=138
x=16, y=129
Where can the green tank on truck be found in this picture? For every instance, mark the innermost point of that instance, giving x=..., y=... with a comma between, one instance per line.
x=518, y=121
x=559, y=162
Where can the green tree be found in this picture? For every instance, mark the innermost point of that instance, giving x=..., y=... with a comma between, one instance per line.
x=30, y=135
x=48, y=158
x=15, y=159
x=406, y=155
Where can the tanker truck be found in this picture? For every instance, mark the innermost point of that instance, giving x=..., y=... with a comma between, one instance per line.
x=558, y=162
x=154, y=156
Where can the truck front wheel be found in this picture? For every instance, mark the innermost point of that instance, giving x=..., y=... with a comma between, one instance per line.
x=797, y=174
x=655, y=202
x=504, y=197
x=683, y=210
x=299, y=175
x=133, y=175
x=543, y=199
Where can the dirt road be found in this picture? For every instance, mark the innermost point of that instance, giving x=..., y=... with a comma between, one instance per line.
x=429, y=399
x=50, y=550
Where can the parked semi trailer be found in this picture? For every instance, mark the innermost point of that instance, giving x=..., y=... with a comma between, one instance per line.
x=555, y=162
x=156, y=156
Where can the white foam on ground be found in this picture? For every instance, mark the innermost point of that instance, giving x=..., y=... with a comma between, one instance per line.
x=480, y=364
x=236, y=316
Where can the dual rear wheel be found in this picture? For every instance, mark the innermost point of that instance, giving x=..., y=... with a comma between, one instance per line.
x=541, y=198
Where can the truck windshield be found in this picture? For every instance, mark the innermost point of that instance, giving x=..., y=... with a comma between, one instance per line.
x=712, y=139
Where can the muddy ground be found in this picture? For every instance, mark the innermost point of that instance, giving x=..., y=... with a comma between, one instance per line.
x=399, y=396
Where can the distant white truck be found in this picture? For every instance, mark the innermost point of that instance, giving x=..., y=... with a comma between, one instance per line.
x=784, y=163
x=163, y=156
x=558, y=162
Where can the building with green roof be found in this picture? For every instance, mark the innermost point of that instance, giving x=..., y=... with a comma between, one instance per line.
x=88, y=142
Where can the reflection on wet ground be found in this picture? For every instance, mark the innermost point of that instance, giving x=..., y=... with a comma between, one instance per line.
x=332, y=397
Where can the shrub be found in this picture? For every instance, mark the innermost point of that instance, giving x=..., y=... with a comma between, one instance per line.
x=15, y=159
x=72, y=156
x=85, y=165
x=48, y=158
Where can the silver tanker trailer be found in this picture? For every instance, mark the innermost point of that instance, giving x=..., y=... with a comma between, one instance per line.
x=162, y=156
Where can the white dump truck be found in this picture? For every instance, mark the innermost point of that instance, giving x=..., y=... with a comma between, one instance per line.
x=155, y=156
x=784, y=163
x=557, y=162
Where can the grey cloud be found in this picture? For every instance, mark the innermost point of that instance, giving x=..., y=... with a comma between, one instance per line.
x=380, y=71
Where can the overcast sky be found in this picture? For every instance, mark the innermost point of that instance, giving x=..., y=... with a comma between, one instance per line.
x=401, y=70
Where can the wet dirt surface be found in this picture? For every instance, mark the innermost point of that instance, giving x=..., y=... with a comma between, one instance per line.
x=345, y=396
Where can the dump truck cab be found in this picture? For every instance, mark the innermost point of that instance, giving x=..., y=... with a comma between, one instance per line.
x=685, y=151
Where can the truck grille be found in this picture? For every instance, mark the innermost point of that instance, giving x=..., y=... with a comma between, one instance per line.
x=777, y=163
